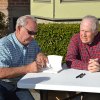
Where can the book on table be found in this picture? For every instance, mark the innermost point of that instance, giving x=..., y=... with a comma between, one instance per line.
x=54, y=64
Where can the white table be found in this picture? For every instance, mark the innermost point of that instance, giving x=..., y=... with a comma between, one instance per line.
x=64, y=81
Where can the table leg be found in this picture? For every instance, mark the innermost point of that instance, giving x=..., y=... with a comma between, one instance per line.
x=43, y=94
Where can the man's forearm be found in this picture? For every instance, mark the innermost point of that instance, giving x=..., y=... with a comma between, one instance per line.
x=13, y=72
x=77, y=64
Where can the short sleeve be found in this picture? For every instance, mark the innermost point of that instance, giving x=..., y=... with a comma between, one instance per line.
x=4, y=57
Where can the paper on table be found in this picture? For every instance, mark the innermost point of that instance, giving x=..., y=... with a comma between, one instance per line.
x=54, y=65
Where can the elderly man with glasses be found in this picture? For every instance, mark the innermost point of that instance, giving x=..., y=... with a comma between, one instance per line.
x=19, y=54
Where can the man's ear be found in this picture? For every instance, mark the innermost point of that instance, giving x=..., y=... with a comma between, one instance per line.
x=18, y=29
x=96, y=32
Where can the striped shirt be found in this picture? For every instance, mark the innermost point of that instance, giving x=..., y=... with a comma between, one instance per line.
x=14, y=54
x=78, y=53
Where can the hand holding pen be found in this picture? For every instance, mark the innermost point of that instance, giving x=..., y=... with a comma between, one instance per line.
x=41, y=60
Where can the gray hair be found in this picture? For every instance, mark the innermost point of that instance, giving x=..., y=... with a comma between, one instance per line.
x=22, y=21
x=94, y=22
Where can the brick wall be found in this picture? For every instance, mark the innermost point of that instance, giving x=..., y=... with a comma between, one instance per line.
x=13, y=9
x=19, y=2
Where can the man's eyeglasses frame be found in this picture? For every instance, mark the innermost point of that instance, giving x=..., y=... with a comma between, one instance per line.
x=30, y=32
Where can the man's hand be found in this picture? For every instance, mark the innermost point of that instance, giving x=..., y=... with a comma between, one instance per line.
x=37, y=65
x=94, y=65
x=33, y=67
x=41, y=60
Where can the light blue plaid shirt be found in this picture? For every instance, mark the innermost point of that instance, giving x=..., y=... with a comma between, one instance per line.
x=14, y=54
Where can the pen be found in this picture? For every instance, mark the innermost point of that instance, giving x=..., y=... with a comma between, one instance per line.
x=80, y=75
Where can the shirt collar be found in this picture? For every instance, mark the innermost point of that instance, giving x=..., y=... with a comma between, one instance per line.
x=16, y=41
x=95, y=40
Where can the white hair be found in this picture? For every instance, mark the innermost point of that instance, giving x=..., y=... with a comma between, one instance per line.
x=22, y=21
x=94, y=22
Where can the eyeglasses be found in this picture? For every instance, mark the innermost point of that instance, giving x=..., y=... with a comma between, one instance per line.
x=30, y=32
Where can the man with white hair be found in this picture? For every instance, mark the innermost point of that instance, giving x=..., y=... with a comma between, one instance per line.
x=19, y=54
x=84, y=50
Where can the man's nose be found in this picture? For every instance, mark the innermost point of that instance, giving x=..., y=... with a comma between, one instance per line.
x=84, y=33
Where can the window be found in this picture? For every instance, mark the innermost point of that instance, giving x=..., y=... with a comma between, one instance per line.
x=42, y=0
x=77, y=0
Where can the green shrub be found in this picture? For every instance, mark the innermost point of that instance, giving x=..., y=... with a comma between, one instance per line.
x=3, y=25
x=54, y=38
